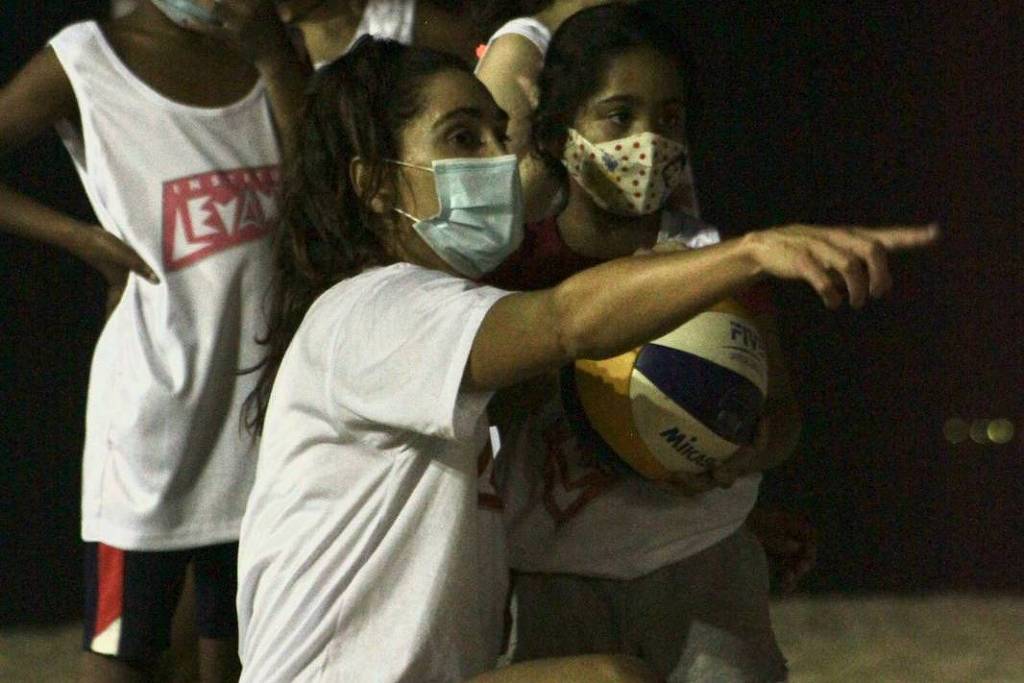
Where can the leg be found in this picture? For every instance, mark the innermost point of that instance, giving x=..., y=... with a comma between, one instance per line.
x=129, y=599
x=216, y=582
x=560, y=615
x=94, y=668
x=706, y=618
x=218, y=660
x=180, y=664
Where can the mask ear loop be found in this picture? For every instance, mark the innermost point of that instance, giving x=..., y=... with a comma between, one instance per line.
x=677, y=165
x=397, y=210
x=408, y=165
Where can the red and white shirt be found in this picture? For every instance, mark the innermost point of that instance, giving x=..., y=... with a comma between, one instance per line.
x=565, y=513
x=193, y=191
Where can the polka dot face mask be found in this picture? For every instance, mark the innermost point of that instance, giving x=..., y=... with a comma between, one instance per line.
x=631, y=176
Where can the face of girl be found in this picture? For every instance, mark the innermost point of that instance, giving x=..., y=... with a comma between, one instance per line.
x=459, y=120
x=642, y=92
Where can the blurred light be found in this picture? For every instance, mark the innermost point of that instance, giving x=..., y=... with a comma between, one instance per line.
x=955, y=430
x=1000, y=431
x=979, y=431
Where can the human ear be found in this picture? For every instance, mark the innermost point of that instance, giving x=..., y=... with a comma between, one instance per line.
x=371, y=186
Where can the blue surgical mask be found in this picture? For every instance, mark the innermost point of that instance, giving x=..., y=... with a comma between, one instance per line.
x=480, y=222
x=185, y=11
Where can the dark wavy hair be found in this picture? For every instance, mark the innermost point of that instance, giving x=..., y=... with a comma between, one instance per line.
x=356, y=106
x=581, y=51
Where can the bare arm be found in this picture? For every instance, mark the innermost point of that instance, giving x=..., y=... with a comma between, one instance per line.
x=34, y=101
x=616, y=306
x=509, y=69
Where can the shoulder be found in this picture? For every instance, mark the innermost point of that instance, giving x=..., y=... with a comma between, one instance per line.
x=394, y=288
x=38, y=96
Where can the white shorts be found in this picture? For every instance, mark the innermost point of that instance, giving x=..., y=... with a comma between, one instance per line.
x=702, y=619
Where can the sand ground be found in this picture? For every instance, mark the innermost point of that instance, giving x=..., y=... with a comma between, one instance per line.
x=937, y=639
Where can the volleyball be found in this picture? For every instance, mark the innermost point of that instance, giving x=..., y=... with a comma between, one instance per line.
x=683, y=402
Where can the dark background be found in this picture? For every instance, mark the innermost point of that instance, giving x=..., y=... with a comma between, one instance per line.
x=853, y=113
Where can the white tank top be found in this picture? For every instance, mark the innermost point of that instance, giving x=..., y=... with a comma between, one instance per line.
x=193, y=191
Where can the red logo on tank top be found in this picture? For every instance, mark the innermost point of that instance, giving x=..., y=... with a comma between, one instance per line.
x=207, y=213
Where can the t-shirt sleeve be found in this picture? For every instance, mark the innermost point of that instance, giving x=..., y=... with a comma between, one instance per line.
x=527, y=27
x=399, y=351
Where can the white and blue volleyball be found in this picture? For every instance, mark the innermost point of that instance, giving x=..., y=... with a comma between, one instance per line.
x=684, y=402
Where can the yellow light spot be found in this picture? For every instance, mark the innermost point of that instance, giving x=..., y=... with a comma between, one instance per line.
x=1000, y=431
x=955, y=430
x=979, y=431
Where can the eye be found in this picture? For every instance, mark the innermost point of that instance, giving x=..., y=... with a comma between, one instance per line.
x=464, y=138
x=621, y=117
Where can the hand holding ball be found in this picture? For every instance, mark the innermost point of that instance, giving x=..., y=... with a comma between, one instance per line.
x=684, y=402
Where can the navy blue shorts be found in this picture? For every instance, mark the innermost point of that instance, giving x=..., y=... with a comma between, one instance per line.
x=130, y=597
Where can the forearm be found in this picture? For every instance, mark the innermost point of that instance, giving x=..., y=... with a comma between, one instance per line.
x=24, y=217
x=285, y=75
x=509, y=70
x=617, y=306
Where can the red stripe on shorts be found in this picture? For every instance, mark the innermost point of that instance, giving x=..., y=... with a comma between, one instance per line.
x=110, y=580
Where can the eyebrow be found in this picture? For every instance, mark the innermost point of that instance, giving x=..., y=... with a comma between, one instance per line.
x=471, y=112
x=616, y=99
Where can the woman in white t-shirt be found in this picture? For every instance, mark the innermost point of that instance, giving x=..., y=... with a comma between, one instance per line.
x=372, y=544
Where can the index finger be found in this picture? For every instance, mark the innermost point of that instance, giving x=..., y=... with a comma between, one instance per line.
x=901, y=237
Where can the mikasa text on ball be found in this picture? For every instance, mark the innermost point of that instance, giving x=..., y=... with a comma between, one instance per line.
x=683, y=402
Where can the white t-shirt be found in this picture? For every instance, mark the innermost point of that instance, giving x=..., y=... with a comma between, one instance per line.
x=391, y=19
x=527, y=27
x=372, y=546
x=564, y=514
x=194, y=192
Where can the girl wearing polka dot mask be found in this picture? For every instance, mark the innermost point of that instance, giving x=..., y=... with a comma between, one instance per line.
x=614, y=122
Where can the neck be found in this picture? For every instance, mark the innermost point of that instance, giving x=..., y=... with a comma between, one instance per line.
x=591, y=231
x=147, y=17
